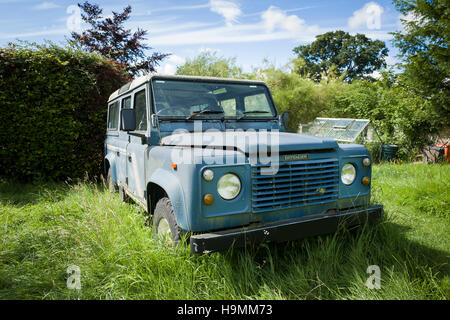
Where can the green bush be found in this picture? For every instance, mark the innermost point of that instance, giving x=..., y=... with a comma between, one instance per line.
x=398, y=115
x=53, y=110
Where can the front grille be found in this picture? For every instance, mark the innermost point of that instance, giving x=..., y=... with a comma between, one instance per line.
x=296, y=184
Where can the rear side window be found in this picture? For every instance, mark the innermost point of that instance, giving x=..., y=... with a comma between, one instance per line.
x=126, y=103
x=113, y=118
x=141, y=114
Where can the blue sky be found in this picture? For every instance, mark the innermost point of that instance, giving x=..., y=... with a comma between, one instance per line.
x=248, y=30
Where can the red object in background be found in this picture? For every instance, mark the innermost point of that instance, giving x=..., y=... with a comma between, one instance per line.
x=446, y=146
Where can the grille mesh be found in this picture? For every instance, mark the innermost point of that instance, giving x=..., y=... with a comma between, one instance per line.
x=295, y=184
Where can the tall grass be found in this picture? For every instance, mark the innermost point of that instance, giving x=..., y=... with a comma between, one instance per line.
x=46, y=228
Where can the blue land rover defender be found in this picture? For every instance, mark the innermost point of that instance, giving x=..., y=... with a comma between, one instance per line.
x=211, y=159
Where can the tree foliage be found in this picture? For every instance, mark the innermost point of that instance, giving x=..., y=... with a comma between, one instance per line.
x=210, y=64
x=109, y=37
x=423, y=45
x=53, y=110
x=354, y=57
x=398, y=116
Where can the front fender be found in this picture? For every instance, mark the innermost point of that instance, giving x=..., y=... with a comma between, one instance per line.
x=111, y=159
x=171, y=185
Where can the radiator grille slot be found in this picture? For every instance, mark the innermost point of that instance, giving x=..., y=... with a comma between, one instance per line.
x=296, y=184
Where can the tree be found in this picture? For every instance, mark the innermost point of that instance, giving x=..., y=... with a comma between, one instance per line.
x=423, y=45
x=353, y=57
x=108, y=37
x=53, y=100
x=209, y=64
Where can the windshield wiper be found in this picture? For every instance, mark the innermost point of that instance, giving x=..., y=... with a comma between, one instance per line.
x=253, y=111
x=204, y=111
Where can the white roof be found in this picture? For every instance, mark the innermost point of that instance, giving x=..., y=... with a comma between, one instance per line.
x=133, y=84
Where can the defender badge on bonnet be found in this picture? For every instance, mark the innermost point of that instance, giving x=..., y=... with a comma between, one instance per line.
x=295, y=157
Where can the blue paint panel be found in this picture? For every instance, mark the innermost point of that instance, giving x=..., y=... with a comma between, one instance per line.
x=221, y=207
x=353, y=153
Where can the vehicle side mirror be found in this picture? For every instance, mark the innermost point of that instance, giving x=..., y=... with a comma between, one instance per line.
x=284, y=118
x=128, y=117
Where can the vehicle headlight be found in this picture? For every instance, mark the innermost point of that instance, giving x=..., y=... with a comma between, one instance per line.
x=229, y=186
x=348, y=174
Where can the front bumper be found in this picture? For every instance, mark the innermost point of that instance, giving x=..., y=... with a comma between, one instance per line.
x=282, y=230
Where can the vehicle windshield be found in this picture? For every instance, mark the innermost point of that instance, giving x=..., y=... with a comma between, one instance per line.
x=186, y=99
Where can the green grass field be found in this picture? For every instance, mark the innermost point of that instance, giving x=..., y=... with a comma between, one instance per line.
x=45, y=228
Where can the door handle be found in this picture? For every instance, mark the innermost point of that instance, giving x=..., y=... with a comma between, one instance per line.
x=129, y=158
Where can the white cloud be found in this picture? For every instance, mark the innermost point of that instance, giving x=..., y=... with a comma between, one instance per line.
x=210, y=50
x=153, y=28
x=45, y=32
x=368, y=17
x=234, y=34
x=275, y=24
x=173, y=8
x=176, y=59
x=167, y=69
x=170, y=65
x=46, y=5
x=276, y=19
x=229, y=10
x=287, y=10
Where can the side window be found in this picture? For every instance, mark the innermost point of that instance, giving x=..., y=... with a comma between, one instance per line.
x=141, y=114
x=113, y=118
x=257, y=102
x=126, y=103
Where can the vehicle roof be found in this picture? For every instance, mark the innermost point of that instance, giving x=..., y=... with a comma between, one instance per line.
x=130, y=86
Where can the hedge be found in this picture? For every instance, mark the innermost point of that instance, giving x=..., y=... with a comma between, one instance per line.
x=53, y=110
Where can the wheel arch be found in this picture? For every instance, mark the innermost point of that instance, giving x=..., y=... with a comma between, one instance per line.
x=164, y=183
x=109, y=162
x=154, y=193
x=106, y=166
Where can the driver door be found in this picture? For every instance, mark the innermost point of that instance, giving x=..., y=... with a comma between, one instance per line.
x=136, y=148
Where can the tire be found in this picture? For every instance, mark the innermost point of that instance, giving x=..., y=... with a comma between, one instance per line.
x=112, y=187
x=165, y=224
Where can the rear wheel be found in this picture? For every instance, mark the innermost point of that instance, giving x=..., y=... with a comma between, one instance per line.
x=165, y=225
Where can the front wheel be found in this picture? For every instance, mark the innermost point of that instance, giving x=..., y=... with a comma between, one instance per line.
x=165, y=225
